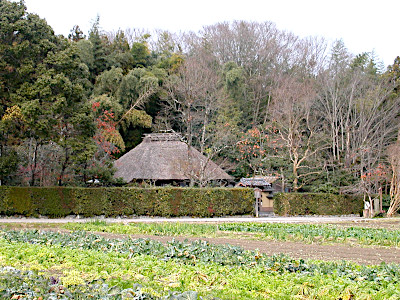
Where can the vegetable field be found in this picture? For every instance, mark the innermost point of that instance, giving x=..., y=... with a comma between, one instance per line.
x=308, y=233
x=83, y=262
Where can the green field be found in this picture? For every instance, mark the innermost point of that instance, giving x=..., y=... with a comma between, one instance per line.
x=83, y=265
x=307, y=233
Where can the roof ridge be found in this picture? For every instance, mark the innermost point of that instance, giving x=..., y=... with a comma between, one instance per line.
x=155, y=137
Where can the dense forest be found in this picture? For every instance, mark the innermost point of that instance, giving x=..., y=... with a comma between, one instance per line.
x=253, y=98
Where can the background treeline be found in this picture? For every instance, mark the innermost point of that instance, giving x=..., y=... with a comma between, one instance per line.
x=251, y=97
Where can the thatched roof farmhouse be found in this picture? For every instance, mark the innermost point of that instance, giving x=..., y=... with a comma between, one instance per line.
x=164, y=158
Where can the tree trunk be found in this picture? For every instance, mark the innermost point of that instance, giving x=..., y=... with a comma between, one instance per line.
x=295, y=178
x=63, y=167
x=1, y=153
x=34, y=166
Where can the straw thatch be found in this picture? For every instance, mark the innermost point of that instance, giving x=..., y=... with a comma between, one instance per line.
x=165, y=157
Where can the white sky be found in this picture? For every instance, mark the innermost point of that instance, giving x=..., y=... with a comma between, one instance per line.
x=364, y=25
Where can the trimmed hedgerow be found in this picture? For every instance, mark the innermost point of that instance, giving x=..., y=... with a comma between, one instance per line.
x=44, y=201
x=317, y=204
x=159, y=201
x=19, y=201
x=164, y=201
x=4, y=199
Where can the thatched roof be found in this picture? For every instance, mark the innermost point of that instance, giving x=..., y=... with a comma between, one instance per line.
x=165, y=157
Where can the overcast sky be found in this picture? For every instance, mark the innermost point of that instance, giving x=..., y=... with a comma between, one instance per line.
x=364, y=26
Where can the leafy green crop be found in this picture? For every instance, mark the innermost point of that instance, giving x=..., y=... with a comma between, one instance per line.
x=224, y=255
x=93, y=264
x=319, y=233
x=163, y=228
x=189, y=252
x=309, y=233
x=30, y=285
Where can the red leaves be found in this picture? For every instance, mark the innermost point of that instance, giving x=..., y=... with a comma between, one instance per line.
x=252, y=145
x=377, y=174
x=95, y=106
x=106, y=131
x=105, y=122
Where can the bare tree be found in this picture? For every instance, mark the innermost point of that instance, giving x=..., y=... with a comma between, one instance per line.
x=132, y=35
x=257, y=48
x=262, y=51
x=195, y=96
x=360, y=116
x=374, y=124
x=298, y=129
x=394, y=160
x=339, y=87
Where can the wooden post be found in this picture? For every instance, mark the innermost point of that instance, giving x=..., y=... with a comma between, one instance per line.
x=366, y=211
x=257, y=195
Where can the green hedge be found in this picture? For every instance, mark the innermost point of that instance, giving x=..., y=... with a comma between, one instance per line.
x=317, y=204
x=88, y=202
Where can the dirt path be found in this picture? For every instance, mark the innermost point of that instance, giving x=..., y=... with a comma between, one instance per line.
x=276, y=219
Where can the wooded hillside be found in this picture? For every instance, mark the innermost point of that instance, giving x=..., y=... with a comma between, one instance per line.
x=254, y=99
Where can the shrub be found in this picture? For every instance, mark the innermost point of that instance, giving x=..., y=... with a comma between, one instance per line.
x=19, y=201
x=91, y=201
x=53, y=202
x=159, y=201
x=4, y=207
x=317, y=204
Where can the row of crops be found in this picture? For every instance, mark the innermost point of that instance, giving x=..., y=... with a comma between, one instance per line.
x=47, y=265
x=323, y=233
x=308, y=233
x=17, y=284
